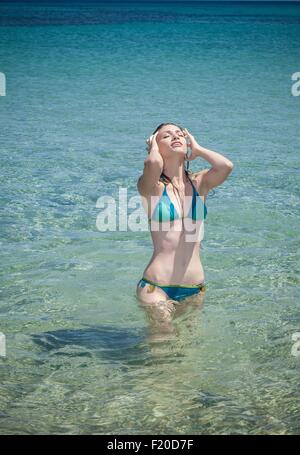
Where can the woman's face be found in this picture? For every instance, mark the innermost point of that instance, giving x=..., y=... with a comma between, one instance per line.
x=170, y=139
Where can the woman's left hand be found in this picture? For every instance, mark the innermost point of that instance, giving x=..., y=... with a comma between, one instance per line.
x=192, y=143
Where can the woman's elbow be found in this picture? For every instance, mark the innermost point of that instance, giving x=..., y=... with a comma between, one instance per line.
x=229, y=164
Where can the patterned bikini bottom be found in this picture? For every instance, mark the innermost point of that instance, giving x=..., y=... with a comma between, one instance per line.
x=174, y=291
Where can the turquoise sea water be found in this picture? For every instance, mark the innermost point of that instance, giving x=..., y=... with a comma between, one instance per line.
x=85, y=86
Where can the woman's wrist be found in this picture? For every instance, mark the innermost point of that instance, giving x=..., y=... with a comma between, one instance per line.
x=154, y=155
x=212, y=157
x=199, y=150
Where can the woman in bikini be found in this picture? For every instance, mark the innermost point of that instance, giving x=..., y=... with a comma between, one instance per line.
x=174, y=200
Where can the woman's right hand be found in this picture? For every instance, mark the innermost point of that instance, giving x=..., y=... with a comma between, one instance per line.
x=152, y=144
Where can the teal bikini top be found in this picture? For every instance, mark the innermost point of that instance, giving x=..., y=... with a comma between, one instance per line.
x=166, y=211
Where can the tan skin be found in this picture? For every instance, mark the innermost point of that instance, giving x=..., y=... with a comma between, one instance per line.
x=175, y=258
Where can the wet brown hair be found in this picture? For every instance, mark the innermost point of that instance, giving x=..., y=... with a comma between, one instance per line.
x=168, y=123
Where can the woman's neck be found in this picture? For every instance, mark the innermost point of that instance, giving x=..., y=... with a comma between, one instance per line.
x=177, y=176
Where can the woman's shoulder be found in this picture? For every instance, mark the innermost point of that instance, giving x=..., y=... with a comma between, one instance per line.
x=197, y=174
x=196, y=178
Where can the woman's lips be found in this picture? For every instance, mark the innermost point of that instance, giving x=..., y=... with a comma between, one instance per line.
x=176, y=144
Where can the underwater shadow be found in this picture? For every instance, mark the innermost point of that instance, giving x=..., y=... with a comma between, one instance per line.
x=109, y=342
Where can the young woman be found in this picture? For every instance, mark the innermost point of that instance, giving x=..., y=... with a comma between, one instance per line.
x=174, y=200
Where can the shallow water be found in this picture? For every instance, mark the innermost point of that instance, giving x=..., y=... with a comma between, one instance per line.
x=85, y=88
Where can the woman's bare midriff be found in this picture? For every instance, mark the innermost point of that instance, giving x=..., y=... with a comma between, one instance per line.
x=176, y=258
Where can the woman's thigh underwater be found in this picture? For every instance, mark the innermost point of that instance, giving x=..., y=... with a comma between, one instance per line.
x=155, y=301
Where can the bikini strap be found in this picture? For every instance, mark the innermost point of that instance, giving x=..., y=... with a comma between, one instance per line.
x=194, y=189
x=164, y=178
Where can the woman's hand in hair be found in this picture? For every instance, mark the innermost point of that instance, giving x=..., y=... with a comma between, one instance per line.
x=192, y=143
x=153, y=150
x=152, y=146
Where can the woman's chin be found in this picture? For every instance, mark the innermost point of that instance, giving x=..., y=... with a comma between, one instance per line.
x=178, y=150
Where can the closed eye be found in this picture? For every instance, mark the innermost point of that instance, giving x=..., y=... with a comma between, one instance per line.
x=168, y=136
